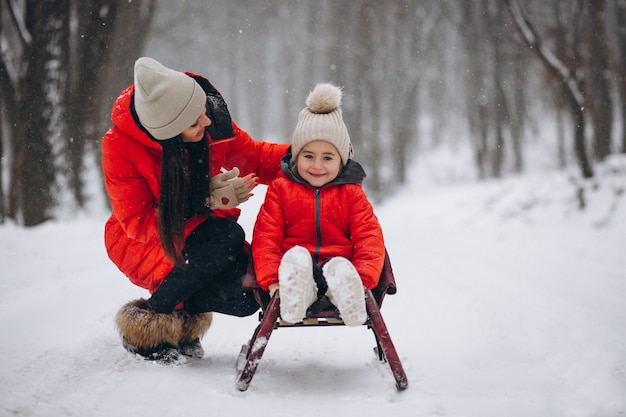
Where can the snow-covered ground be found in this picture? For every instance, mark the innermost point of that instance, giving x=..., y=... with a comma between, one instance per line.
x=511, y=303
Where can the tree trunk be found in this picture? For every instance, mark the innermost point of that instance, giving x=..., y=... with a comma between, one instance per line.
x=500, y=107
x=403, y=114
x=477, y=110
x=368, y=97
x=88, y=66
x=41, y=110
x=600, y=103
x=519, y=114
x=560, y=137
x=8, y=105
x=621, y=65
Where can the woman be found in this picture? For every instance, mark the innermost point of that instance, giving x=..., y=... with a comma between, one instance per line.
x=173, y=228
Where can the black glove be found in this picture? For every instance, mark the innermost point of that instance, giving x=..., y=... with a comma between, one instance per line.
x=221, y=123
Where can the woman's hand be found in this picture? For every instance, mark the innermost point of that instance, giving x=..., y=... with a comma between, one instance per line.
x=228, y=190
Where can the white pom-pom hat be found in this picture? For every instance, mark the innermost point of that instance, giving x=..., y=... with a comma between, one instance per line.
x=321, y=120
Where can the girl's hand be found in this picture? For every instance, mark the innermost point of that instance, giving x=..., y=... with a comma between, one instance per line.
x=250, y=181
x=272, y=288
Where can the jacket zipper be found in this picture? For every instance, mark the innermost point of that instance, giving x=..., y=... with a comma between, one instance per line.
x=318, y=229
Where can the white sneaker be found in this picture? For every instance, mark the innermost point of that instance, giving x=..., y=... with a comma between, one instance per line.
x=345, y=290
x=297, y=287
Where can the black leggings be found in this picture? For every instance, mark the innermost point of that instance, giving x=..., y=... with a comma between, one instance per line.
x=211, y=279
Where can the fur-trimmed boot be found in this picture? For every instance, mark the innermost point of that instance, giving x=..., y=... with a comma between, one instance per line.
x=154, y=336
x=194, y=327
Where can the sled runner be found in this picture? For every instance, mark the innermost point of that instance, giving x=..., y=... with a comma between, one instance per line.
x=321, y=313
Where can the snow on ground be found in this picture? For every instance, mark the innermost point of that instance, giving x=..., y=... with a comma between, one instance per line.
x=510, y=303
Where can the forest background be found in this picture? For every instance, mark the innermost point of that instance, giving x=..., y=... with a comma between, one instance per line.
x=507, y=87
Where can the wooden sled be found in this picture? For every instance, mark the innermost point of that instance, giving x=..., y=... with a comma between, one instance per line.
x=321, y=313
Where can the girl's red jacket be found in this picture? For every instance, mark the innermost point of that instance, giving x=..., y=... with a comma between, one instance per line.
x=334, y=220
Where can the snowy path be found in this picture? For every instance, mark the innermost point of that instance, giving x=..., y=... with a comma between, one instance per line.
x=518, y=317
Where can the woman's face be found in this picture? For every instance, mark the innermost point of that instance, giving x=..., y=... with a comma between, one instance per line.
x=195, y=132
x=318, y=163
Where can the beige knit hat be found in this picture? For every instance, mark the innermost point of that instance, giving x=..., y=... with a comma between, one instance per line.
x=321, y=120
x=166, y=101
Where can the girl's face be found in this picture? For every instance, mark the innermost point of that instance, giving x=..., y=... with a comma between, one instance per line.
x=318, y=163
x=195, y=132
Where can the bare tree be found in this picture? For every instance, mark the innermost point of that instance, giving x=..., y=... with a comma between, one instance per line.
x=475, y=82
x=500, y=108
x=620, y=63
x=599, y=90
x=12, y=31
x=571, y=89
x=367, y=94
x=37, y=89
x=411, y=31
x=108, y=36
x=55, y=81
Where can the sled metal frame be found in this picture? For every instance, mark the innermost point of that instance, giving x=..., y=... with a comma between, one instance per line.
x=321, y=313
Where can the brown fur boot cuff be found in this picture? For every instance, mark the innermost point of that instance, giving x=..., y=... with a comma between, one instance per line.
x=144, y=330
x=194, y=326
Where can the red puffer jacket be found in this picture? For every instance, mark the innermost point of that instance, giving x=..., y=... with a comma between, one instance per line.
x=131, y=162
x=334, y=220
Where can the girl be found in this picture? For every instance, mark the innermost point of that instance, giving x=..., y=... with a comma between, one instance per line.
x=316, y=233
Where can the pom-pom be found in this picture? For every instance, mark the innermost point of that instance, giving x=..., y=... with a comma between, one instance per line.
x=324, y=98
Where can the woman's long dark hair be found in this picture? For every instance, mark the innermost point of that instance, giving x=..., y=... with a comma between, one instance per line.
x=184, y=190
x=172, y=201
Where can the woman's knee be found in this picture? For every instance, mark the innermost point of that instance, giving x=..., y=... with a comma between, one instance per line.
x=218, y=231
x=236, y=234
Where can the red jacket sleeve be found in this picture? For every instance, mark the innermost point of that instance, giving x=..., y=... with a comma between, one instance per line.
x=268, y=238
x=251, y=156
x=367, y=239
